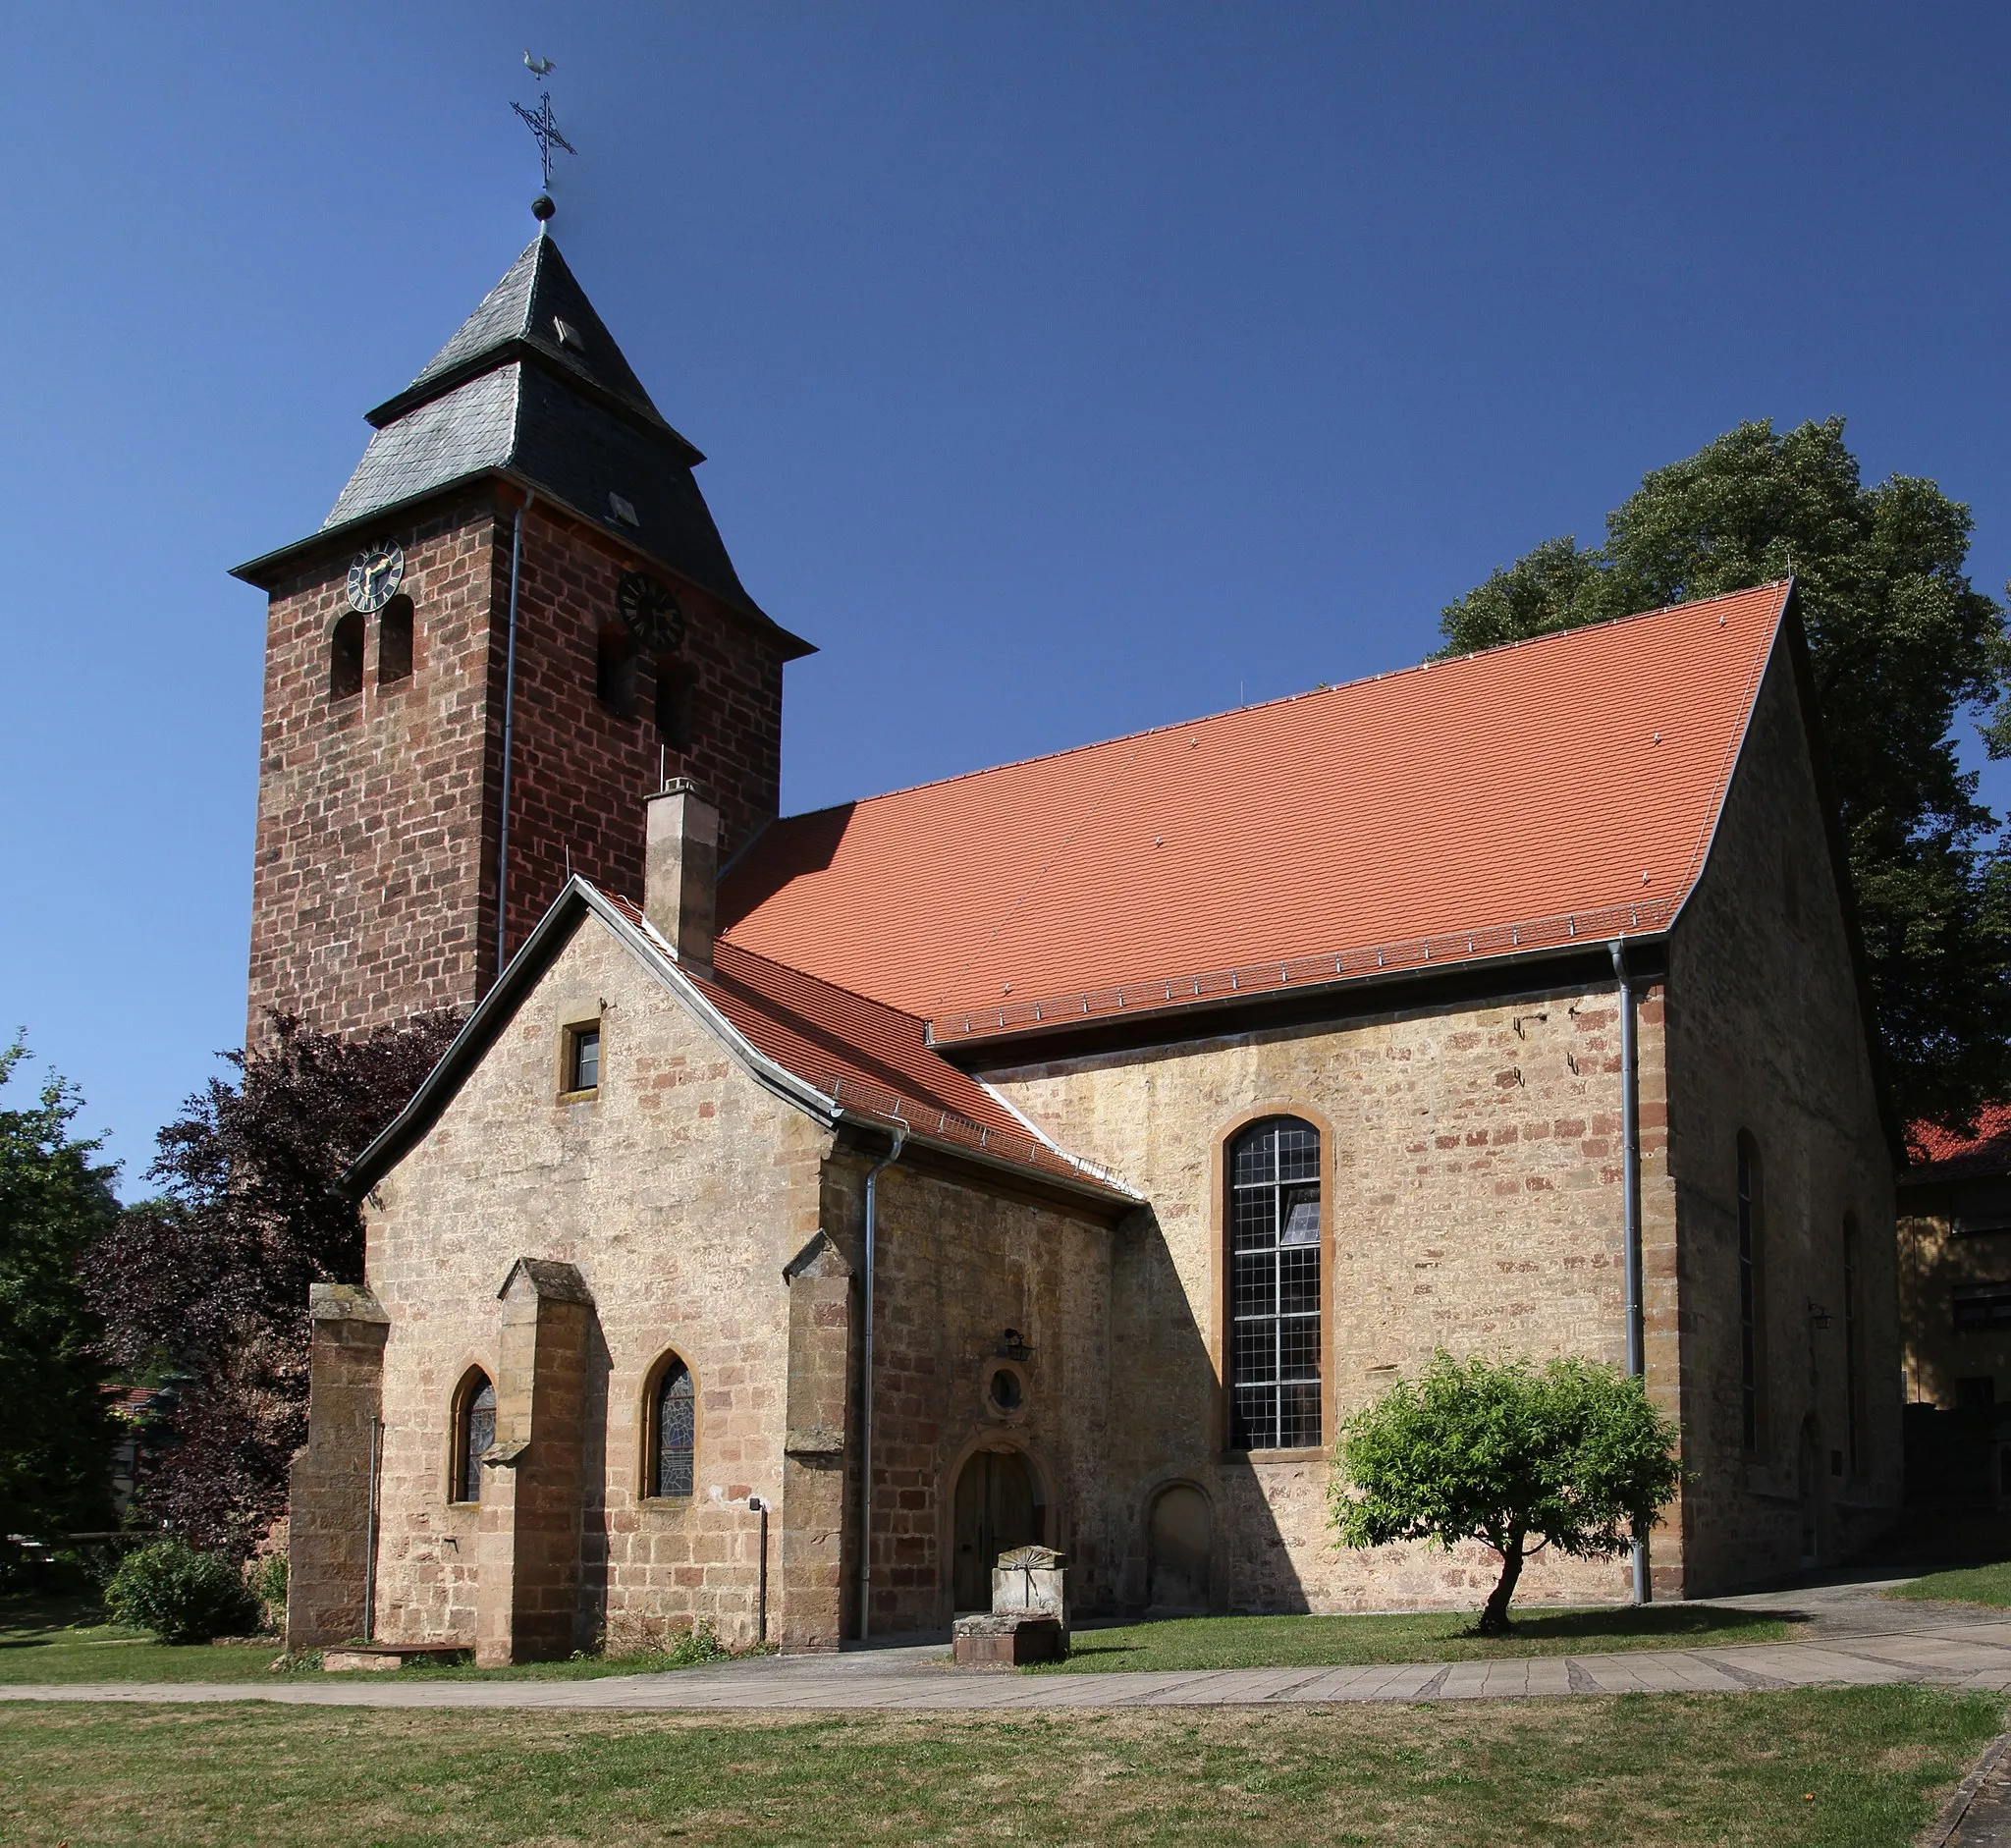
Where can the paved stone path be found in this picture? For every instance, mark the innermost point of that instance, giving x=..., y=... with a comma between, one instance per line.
x=1852, y=1637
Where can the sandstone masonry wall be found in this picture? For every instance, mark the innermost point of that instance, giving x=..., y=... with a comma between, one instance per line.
x=369, y=869
x=681, y=1192
x=958, y=1265
x=1765, y=1036
x=374, y=873
x=582, y=772
x=1472, y=1189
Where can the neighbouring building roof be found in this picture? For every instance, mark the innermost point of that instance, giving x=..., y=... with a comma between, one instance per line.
x=1485, y=805
x=1939, y=1153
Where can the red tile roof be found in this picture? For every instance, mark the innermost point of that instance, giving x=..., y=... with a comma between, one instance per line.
x=1562, y=787
x=863, y=1054
x=1941, y=1155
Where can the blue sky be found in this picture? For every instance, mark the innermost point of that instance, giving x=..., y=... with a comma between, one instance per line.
x=1064, y=368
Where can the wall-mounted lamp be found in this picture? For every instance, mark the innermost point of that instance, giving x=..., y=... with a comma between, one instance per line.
x=1818, y=1315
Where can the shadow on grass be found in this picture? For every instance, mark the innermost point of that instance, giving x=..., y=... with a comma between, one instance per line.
x=1294, y=1641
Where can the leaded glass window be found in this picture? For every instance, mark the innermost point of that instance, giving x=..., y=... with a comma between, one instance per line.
x=1749, y=1309
x=477, y=1435
x=676, y=1422
x=1275, y=1286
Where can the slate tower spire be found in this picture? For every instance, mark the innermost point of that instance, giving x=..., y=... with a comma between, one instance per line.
x=525, y=467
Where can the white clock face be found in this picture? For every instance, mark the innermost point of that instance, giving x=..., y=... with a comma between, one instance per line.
x=374, y=577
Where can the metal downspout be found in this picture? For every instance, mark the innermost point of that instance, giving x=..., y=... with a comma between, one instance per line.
x=866, y=1411
x=509, y=713
x=1630, y=1155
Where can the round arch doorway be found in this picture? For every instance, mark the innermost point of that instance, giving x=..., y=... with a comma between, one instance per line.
x=997, y=1508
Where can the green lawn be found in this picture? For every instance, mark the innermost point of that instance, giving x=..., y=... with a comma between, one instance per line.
x=69, y=1640
x=1427, y=1635
x=1976, y=1585
x=1856, y=1767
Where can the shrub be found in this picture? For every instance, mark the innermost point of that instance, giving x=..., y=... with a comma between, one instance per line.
x=269, y=1583
x=181, y=1595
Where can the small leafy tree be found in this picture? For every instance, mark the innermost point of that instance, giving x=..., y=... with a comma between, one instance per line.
x=205, y=1288
x=1571, y=1456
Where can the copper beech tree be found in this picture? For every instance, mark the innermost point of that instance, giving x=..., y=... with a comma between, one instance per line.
x=1571, y=1456
x=204, y=1288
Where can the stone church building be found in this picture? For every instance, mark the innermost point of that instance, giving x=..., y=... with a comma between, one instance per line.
x=814, y=1207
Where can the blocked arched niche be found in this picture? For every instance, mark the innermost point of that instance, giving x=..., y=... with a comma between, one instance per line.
x=1179, y=1550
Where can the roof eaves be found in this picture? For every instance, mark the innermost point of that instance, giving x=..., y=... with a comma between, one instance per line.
x=1087, y=1179
x=521, y=347
x=662, y=960
x=1503, y=945
x=259, y=572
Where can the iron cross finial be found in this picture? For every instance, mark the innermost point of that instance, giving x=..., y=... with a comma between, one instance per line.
x=545, y=132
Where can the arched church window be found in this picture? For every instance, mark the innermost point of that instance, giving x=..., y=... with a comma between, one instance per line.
x=395, y=641
x=346, y=657
x=614, y=669
x=674, y=1428
x=474, y=1431
x=676, y=682
x=1751, y=1297
x=1274, y=1215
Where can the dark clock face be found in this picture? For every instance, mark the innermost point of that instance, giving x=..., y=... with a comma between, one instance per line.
x=374, y=577
x=650, y=610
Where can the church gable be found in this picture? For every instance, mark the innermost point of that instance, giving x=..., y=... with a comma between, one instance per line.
x=594, y=1083
x=827, y=1057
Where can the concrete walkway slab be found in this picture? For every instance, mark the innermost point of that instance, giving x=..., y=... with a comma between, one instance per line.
x=1853, y=1638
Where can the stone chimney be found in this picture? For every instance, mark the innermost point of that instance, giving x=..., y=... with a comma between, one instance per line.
x=681, y=871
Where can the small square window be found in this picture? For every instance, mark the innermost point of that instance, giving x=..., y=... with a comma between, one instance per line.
x=583, y=1058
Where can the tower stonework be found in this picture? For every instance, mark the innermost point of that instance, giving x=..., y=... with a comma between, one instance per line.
x=528, y=450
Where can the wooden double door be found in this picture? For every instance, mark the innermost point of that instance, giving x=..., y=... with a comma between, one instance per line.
x=996, y=1511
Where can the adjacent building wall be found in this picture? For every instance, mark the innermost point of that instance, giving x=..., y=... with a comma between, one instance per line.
x=1766, y=1035
x=1954, y=1234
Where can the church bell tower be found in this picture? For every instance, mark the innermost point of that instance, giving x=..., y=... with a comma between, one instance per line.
x=517, y=618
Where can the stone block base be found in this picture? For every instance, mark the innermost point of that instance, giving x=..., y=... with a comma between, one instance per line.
x=387, y=1658
x=1009, y=1638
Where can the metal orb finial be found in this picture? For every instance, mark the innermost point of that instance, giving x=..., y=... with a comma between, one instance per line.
x=543, y=206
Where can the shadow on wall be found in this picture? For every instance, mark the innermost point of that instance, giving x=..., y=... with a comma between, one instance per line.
x=1192, y=1527
x=592, y=1623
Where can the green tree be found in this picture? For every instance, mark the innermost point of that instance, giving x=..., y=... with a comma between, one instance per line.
x=1902, y=647
x=55, y=1199
x=1572, y=1456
